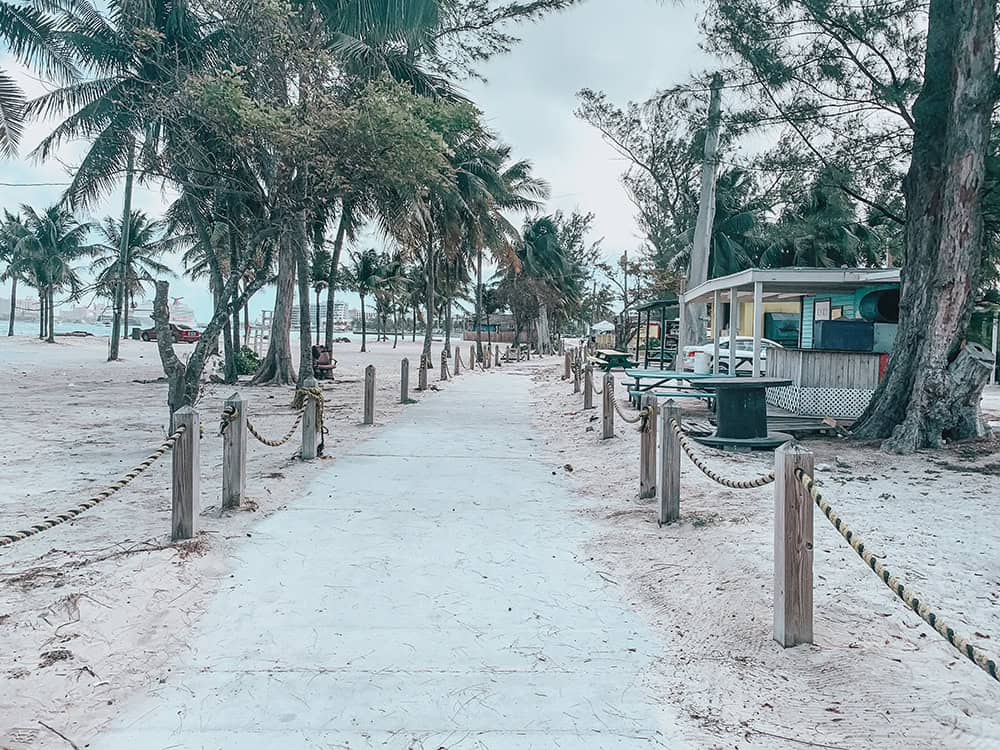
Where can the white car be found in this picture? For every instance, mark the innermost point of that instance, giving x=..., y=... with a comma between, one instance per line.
x=744, y=354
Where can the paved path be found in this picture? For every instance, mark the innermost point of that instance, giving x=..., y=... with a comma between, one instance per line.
x=428, y=591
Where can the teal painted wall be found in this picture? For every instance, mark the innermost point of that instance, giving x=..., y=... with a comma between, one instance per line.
x=850, y=301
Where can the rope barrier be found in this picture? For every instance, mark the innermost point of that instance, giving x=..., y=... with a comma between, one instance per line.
x=597, y=391
x=299, y=402
x=641, y=415
x=72, y=513
x=252, y=429
x=736, y=484
x=911, y=600
x=229, y=415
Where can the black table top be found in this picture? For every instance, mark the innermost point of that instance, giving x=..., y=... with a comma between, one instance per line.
x=742, y=383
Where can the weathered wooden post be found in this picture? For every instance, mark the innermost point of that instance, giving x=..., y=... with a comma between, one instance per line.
x=234, y=453
x=609, y=406
x=588, y=386
x=562, y=346
x=404, y=381
x=567, y=365
x=527, y=352
x=793, y=547
x=668, y=469
x=422, y=374
x=472, y=357
x=444, y=364
x=456, y=362
x=370, y=394
x=310, y=423
x=647, y=447
x=576, y=376
x=498, y=356
x=186, y=476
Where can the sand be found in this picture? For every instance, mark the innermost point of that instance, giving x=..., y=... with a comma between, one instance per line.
x=877, y=676
x=93, y=609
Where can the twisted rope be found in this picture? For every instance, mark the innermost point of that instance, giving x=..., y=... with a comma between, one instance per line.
x=736, y=484
x=597, y=391
x=100, y=497
x=316, y=395
x=229, y=414
x=640, y=415
x=909, y=598
x=252, y=429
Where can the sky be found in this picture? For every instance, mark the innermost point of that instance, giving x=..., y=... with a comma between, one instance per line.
x=627, y=48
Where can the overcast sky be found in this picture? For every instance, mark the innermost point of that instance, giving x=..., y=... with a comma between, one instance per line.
x=626, y=48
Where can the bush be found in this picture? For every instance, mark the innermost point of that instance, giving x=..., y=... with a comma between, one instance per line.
x=247, y=361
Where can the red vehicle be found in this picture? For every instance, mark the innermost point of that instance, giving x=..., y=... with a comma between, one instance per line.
x=182, y=334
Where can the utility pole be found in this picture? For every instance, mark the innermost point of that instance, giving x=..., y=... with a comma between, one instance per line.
x=695, y=317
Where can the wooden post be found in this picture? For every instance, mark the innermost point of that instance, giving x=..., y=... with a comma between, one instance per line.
x=234, y=454
x=576, y=376
x=588, y=386
x=609, y=406
x=186, y=476
x=567, y=365
x=370, y=393
x=668, y=469
x=734, y=328
x=422, y=374
x=444, y=364
x=472, y=357
x=456, y=366
x=758, y=328
x=793, y=547
x=647, y=449
x=404, y=381
x=498, y=356
x=310, y=423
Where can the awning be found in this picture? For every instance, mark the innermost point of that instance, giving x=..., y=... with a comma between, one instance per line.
x=791, y=282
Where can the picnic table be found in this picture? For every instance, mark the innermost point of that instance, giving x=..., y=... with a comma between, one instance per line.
x=741, y=413
x=609, y=359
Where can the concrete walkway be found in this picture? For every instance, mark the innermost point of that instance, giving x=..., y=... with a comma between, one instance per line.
x=430, y=590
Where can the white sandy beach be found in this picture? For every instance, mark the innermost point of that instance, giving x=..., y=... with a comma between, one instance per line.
x=877, y=675
x=94, y=609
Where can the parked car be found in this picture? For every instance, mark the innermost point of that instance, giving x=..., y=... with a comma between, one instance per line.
x=182, y=334
x=744, y=354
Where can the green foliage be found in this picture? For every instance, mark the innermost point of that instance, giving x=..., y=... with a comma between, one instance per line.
x=247, y=361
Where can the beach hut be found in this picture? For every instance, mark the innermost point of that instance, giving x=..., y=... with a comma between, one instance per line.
x=847, y=320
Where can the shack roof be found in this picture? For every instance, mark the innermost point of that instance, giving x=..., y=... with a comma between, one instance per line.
x=791, y=282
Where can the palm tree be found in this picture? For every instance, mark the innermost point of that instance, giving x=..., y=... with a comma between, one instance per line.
x=362, y=276
x=146, y=243
x=16, y=260
x=543, y=260
x=138, y=54
x=52, y=240
x=27, y=32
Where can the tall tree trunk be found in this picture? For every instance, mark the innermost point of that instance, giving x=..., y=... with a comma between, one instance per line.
x=13, y=304
x=544, y=337
x=338, y=248
x=364, y=326
x=694, y=326
x=301, y=247
x=447, y=305
x=237, y=344
x=42, y=313
x=276, y=367
x=429, y=297
x=230, y=373
x=920, y=400
x=396, y=325
x=51, y=338
x=413, y=333
x=479, y=303
x=123, y=253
